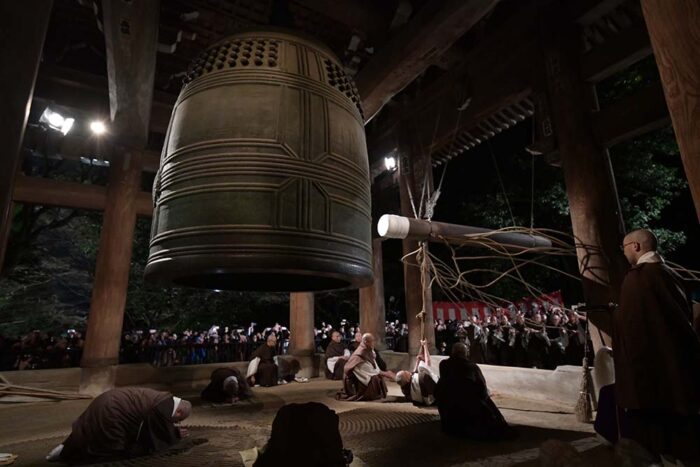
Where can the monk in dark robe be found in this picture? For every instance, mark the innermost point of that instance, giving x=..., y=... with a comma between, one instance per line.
x=124, y=422
x=466, y=410
x=336, y=356
x=226, y=385
x=656, y=355
x=262, y=368
x=476, y=345
x=356, y=342
x=304, y=434
x=419, y=387
x=363, y=379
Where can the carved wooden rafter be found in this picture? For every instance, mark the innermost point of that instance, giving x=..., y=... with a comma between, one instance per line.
x=428, y=35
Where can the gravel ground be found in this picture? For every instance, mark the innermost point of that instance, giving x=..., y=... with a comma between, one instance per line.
x=389, y=433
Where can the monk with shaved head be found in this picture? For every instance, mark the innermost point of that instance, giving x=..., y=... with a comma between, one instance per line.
x=363, y=379
x=639, y=243
x=656, y=354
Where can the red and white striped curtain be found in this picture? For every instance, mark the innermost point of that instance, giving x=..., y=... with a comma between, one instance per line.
x=462, y=310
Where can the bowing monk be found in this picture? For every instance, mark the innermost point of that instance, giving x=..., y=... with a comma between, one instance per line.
x=463, y=400
x=226, y=385
x=336, y=356
x=419, y=386
x=124, y=422
x=262, y=368
x=363, y=379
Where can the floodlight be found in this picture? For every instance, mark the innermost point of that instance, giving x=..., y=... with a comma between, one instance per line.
x=98, y=127
x=67, y=125
x=390, y=163
x=56, y=121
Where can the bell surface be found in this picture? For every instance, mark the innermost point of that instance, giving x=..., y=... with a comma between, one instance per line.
x=264, y=181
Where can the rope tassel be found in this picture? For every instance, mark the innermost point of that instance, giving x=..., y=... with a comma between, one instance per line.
x=584, y=406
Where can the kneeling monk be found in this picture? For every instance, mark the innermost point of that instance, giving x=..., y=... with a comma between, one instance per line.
x=226, y=385
x=263, y=369
x=124, y=422
x=363, y=378
x=336, y=356
x=463, y=400
x=419, y=386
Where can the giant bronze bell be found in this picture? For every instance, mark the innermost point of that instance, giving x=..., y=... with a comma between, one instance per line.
x=264, y=181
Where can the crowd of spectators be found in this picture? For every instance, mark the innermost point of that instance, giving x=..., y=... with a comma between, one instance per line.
x=538, y=337
x=38, y=350
x=217, y=344
x=396, y=335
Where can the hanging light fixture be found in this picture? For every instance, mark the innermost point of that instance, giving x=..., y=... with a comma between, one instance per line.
x=56, y=121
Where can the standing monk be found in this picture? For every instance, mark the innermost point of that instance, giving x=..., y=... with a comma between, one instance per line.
x=124, y=422
x=656, y=354
x=336, y=356
x=262, y=368
x=363, y=377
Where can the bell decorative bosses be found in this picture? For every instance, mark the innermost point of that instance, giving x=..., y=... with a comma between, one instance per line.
x=264, y=180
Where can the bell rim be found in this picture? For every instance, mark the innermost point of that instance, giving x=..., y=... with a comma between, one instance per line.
x=183, y=270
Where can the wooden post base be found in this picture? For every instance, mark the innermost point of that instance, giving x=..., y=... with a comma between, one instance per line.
x=96, y=380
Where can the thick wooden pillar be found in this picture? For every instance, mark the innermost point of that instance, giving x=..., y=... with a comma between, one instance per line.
x=372, y=311
x=131, y=36
x=675, y=37
x=414, y=169
x=22, y=31
x=590, y=184
x=301, y=324
x=106, y=316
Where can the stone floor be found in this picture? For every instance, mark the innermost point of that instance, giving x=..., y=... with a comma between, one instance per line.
x=389, y=433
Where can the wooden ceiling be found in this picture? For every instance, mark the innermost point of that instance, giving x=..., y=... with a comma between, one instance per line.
x=430, y=56
x=75, y=39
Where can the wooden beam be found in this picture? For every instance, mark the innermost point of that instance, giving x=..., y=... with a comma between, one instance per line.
x=144, y=204
x=632, y=116
x=23, y=28
x=502, y=69
x=429, y=34
x=585, y=12
x=616, y=54
x=415, y=168
x=356, y=15
x=372, y=310
x=131, y=39
x=106, y=316
x=49, y=192
x=590, y=187
x=301, y=318
x=673, y=28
